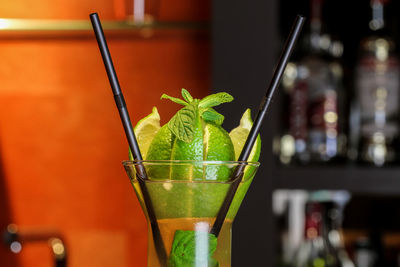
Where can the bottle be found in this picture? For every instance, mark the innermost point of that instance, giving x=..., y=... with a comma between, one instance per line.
x=313, y=84
x=333, y=218
x=315, y=250
x=364, y=254
x=371, y=252
x=377, y=81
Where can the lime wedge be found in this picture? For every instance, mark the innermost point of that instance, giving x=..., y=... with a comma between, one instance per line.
x=145, y=130
x=239, y=136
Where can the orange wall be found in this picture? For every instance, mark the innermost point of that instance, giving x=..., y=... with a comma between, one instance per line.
x=181, y=10
x=61, y=141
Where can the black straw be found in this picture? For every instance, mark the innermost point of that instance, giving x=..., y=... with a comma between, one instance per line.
x=255, y=129
x=130, y=135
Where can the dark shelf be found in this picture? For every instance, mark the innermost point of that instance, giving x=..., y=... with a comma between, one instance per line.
x=356, y=179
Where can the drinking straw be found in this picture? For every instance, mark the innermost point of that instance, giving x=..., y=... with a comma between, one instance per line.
x=130, y=135
x=251, y=138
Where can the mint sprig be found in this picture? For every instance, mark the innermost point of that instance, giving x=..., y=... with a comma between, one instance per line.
x=215, y=100
x=183, y=123
x=212, y=115
x=174, y=99
x=186, y=95
x=187, y=249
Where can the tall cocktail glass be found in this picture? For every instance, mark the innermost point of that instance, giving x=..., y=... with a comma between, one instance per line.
x=186, y=197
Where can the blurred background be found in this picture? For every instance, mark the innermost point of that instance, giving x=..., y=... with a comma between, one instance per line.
x=327, y=193
x=61, y=138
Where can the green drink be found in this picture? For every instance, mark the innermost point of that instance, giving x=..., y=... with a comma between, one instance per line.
x=194, y=195
x=189, y=164
x=186, y=209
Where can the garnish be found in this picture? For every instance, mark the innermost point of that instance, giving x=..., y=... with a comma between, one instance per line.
x=193, y=248
x=182, y=124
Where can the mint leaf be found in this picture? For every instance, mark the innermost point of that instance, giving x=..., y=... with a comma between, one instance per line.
x=174, y=99
x=182, y=124
x=187, y=96
x=192, y=249
x=215, y=100
x=212, y=115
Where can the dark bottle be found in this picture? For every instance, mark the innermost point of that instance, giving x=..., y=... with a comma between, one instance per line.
x=315, y=250
x=364, y=254
x=313, y=83
x=370, y=251
x=377, y=82
x=333, y=217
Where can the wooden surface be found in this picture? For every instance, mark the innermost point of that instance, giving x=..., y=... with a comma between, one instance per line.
x=61, y=140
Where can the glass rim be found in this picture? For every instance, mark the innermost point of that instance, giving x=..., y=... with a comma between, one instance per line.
x=210, y=162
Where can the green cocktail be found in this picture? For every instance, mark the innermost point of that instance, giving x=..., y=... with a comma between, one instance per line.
x=189, y=164
x=180, y=197
x=186, y=209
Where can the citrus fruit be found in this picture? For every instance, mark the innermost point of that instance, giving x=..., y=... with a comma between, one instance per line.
x=239, y=136
x=145, y=130
x=194, y=133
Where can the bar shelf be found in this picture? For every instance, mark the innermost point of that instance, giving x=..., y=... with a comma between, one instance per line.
x=54, y=27
x=357, y=179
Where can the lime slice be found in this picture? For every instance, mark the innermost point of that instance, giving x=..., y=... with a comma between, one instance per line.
x=239, y=136
x=145, y=130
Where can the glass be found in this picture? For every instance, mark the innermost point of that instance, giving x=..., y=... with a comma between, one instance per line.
x=142, y=11
x=186, y=197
